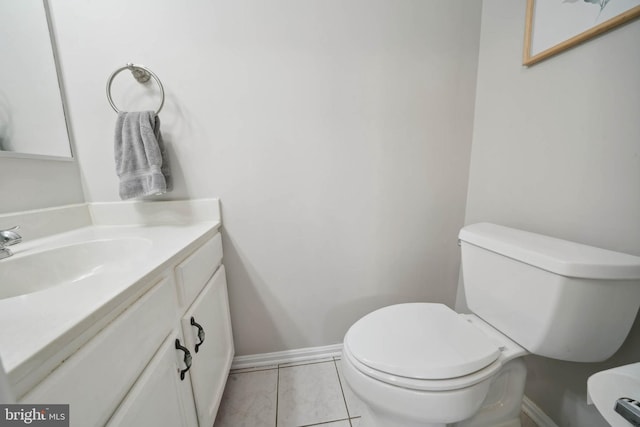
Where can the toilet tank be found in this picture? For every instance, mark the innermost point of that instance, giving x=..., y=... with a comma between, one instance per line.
x=555, y=298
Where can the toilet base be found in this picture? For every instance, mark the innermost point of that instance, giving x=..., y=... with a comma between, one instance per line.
x=501, y=406
x=381, y=420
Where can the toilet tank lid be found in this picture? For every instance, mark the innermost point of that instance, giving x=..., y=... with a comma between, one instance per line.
x=555, y=255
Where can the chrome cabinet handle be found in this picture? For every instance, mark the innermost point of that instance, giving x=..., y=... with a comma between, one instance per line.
x=187, y=359
x=201, y=333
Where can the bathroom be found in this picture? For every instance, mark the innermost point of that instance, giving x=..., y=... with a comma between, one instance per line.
x=349, y=142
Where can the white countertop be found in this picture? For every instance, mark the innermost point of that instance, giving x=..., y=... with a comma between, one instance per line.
x=39, y=330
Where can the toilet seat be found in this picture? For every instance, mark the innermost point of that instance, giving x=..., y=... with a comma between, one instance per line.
x=423, y=385
x=422, y=346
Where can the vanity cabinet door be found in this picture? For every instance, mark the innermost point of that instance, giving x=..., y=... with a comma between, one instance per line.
x=159, y=397
x=212, y=361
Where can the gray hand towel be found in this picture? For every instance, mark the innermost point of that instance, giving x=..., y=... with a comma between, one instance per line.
x=141, y=162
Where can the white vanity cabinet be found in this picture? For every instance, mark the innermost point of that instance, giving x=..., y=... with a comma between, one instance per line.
x=129, y=374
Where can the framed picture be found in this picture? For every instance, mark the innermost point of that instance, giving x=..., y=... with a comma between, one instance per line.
x=556, y=25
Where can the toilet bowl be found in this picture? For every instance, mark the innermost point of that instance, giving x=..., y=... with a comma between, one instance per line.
x=424, y=365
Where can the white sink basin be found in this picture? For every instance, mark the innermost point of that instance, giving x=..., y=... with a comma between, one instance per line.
x=35, y=271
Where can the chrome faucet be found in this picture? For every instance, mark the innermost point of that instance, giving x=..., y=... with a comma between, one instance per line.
x=7, y=238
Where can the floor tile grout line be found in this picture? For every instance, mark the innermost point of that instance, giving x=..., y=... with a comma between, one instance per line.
x=326, y=422
x=344, y=398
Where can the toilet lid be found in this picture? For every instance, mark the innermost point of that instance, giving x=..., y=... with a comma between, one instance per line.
x=420, y=340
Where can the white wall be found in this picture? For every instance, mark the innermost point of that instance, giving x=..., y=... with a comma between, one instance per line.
x=336, y=134
x=556, y=150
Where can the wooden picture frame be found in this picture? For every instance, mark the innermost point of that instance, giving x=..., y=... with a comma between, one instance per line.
x=553, y=26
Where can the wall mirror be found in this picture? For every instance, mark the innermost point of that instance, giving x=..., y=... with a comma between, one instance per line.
x=32, y=116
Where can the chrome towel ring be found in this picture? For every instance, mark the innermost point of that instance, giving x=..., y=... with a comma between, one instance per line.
x=141, y=74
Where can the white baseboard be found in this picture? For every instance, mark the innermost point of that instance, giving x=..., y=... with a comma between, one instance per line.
x=536, y=414
x=288, y=356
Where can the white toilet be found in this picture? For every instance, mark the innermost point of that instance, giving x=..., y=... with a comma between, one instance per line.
x=424, y=365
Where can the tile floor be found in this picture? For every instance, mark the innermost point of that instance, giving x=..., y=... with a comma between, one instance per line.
x=305, y=394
